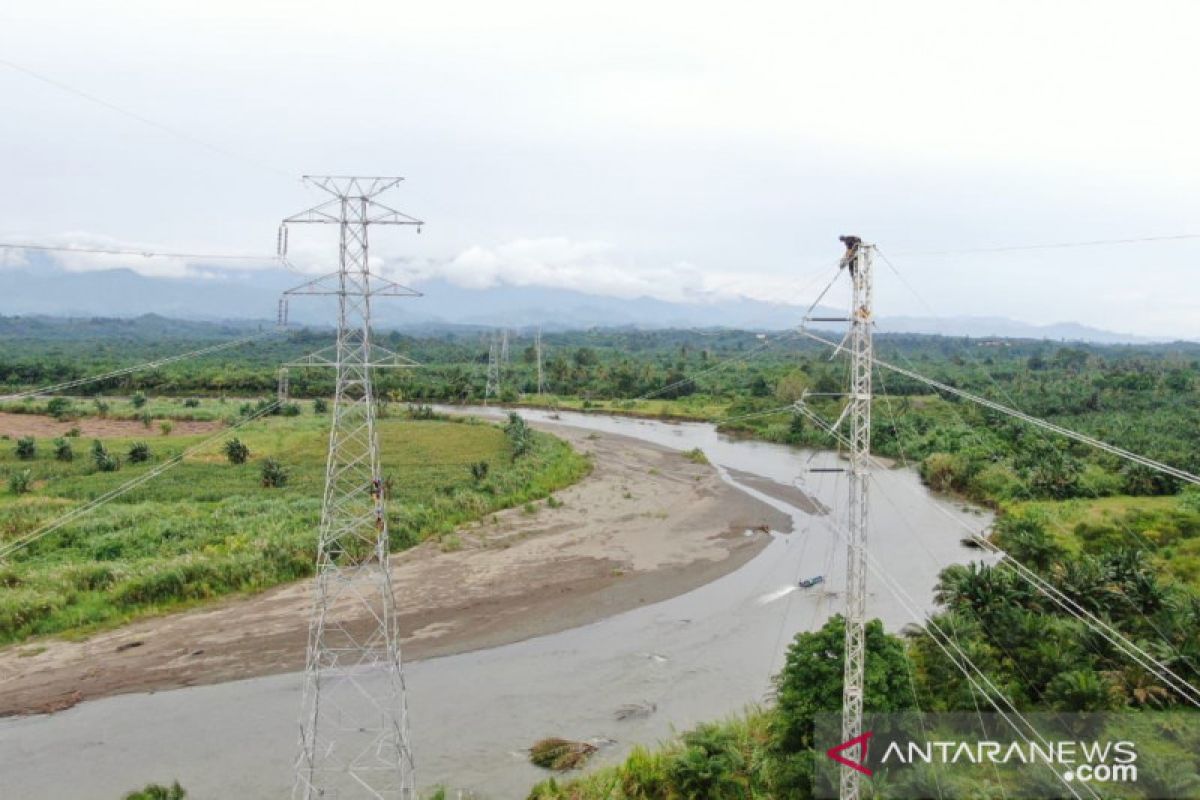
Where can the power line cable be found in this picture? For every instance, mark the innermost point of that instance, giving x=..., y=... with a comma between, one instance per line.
x=1051, y=245
x=71, y=384
x=171, y=131
x=974, y=675
x=128, y=251
x=1160, y=670
x=1158, y=466
x=80, y=511
x=1133, y=534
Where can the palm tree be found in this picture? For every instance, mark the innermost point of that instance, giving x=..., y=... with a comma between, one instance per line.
x=1137, y=687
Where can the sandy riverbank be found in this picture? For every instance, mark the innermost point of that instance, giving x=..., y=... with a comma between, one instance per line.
x=646, y=525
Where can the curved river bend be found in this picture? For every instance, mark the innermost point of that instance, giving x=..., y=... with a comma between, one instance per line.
x=699, y=656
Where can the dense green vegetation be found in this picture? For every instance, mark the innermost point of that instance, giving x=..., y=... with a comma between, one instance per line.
x=1143, y=397
x=1121, y=540
x=208, y=526
x=1043, y=659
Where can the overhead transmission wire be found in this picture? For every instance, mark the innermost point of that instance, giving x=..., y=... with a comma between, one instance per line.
x=1051, y=245
x=904, y=459
x=1116, y=638
x=932, y=628
x=80, y=511
x=1163, y=672
x=154, y=364
x=963, y=662
x=1091, y=441
x=945, y=642
x=144, y=253
x=1061, y=526
x=159, y=126
x=1133, y=534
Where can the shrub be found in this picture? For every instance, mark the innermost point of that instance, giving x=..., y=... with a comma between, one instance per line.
x=139, y=452
x=274, y=476
x=191, y=402
x=944, y=472
x=75, y=432
x=166, y=426
x=59, y=407
x=518, y=434
x=26, y=448
x=320, y=405
x=696, y=456
x=18, y=482
x=710, y=765
x=156, y=791
x=236, y=451
x=102, y=407
x=138, y=399
x=104, y=460
x=289, y=410
x=479, y=471
x=146, y=418
x=63, y=451
x=421, y=412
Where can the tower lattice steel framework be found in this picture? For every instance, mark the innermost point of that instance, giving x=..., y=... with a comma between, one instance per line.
x=354, y=739
x=861, y=358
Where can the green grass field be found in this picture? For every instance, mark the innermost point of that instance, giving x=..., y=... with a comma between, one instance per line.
x=1168, y=527
x=207, y=527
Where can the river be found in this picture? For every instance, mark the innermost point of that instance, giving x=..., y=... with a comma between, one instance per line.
x=700, y=656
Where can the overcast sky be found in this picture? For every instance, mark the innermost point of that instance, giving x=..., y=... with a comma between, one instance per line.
x=680, y=150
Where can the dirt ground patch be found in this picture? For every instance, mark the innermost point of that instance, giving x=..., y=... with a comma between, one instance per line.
x=646, y=525
x=43, y=427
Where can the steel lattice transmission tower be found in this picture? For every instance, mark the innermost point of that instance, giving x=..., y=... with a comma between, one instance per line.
x=354, y=739
x=537, y=346
x=858, y=260
x=492, y=389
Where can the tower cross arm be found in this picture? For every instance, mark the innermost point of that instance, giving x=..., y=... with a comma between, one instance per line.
x=379, y=214
x=352, y=185
x=331, y=284
x=328, y=213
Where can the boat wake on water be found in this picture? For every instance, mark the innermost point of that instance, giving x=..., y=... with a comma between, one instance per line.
x=778, y=594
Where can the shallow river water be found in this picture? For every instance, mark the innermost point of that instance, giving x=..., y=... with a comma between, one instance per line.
x=699, y=656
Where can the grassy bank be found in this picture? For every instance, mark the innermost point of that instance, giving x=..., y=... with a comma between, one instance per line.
x=209, y=527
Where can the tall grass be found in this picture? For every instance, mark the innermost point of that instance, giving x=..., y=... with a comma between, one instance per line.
x=207, y=528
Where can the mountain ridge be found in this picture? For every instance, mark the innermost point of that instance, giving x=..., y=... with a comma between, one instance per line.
x=252, y=296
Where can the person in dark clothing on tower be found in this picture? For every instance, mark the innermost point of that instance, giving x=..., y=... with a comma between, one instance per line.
x=852, y=243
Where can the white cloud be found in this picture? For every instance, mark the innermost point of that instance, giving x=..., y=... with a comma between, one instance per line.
x=598, y=268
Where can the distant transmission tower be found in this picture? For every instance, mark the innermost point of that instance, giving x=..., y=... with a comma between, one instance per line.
x=354, y=719
x=492, y=389
x=858, y=260
x=537, y=346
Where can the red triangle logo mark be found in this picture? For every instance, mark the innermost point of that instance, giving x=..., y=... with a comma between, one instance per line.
x=862, y=739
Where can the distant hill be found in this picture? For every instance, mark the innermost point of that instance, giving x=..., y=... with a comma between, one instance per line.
x=248, y=296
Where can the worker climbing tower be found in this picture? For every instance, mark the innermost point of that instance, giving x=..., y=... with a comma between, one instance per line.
x=354, y=739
